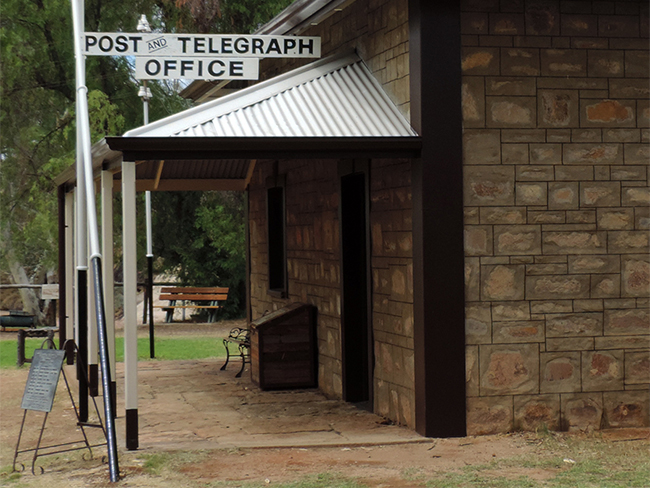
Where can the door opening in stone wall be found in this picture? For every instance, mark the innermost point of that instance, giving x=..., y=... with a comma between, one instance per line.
x=356, y=330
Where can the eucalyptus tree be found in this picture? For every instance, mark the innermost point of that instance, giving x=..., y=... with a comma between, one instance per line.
x=37, y=127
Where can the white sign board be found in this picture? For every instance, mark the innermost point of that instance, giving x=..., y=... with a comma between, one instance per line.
x=193, y=68
x=49, y=292
x=209, y=45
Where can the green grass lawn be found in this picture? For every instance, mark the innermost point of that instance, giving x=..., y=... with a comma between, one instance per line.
x=175, y=348
x=570, y=462
x=166, y=349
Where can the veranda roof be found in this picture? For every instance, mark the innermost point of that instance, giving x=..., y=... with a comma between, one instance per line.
x=331, y=108
x=336, y=97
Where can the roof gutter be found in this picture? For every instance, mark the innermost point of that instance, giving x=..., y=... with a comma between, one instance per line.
x=101, y=154
x=301, y=15
x=184, y=148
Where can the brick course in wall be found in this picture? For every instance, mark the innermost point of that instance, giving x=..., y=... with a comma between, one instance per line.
x=555, y=106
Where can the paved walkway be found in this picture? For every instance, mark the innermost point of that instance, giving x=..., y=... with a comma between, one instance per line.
x=194, y=405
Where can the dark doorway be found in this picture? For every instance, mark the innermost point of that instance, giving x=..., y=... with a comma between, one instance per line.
x=356, y=332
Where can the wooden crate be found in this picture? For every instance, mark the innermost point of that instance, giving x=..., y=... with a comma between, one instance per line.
x=284, y=350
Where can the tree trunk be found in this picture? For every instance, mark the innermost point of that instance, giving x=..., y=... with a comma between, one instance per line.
x=31, y=302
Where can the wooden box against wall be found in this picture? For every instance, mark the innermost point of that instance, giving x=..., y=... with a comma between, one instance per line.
x=284, y=348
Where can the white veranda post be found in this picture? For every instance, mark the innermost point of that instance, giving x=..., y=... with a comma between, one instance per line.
x=130, y=304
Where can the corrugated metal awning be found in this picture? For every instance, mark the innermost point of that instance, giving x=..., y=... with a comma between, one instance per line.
x=332, y=108
x=333, y=97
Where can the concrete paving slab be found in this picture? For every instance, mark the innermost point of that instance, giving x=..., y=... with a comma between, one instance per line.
x=194, y=405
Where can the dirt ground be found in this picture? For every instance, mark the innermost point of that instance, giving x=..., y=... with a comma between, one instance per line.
x=203, y=427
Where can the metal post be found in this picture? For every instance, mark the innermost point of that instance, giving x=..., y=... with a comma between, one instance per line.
x=145, y=93
x=83, y=141
x=152, y=342
x=109, y=416
x=62, y=265
x=82, y=281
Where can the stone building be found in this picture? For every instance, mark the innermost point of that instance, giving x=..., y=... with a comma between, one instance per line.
x=486, y=269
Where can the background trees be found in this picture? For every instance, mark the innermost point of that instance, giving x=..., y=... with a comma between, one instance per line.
x=208, y=245
x=37, y=128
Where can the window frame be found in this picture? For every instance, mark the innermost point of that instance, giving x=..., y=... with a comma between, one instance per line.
x=276, y=233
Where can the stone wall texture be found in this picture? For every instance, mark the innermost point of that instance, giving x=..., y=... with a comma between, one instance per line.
x=556, y=141
x=314, y=270
x=378, y=30
x=556, y=147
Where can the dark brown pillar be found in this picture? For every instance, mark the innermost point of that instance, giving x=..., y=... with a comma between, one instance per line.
x=62, y=267
x=439, y=297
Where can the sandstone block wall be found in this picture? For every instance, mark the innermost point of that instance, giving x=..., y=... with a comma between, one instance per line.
x=556, y=141
x=391, y=226
x=314, y=269
x=313, y=256
x=378, y=30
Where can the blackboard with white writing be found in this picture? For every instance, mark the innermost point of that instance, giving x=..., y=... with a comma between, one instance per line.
x=42, y=380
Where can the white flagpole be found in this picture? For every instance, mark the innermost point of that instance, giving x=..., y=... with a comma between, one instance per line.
x=83, y=126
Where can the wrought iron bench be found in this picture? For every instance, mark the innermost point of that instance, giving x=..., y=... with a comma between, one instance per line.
x=241, y=338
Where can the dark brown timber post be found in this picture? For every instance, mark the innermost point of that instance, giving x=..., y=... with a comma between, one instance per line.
x=439, y=296
x=62, y=266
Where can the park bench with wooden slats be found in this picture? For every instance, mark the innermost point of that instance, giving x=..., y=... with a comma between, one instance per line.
x=210, y=298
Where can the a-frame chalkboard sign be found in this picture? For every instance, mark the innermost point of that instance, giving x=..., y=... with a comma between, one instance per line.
x=40, y=389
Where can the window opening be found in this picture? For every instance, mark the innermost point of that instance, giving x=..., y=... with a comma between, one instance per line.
x=276, y=221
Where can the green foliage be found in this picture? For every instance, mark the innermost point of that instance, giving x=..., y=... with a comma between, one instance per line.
x=105, y=117
x=37, y=131
x=200, y=238
x=245, y=16
x=236, y=16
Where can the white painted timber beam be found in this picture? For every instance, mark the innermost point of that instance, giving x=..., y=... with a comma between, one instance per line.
x=130, y=304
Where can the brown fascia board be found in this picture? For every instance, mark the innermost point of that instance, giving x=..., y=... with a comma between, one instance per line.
x=184, y=148
x=198, y=88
